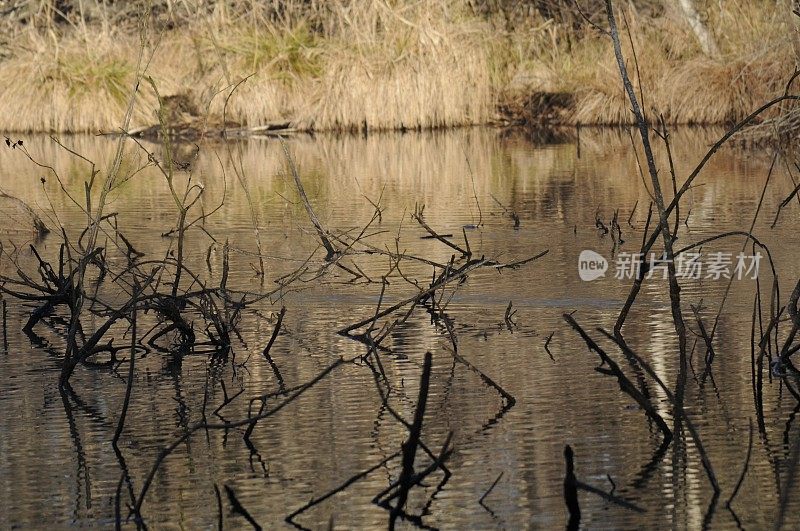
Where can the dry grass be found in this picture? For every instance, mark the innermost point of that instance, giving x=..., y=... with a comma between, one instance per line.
x=382, y=69
x=425, y=65
x=377, y=64
x=678, y=81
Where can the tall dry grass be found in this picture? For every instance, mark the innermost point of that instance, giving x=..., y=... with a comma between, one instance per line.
x=380, y=64
x=371, y=65
x=677, y=80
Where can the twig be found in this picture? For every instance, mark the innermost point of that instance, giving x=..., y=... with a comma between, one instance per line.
x=272, y=338
x=464, y=252
x=571, y=490
x=238, y=508
x=667, y=236
x=38, y=224
x=633, y=211
x=518, y=263
x=624, y=383
x=315, y=501
x=410, y=446
x=329, y=248
x=441, y=282
x=225, y=426
x=547, y=345
x=474, y=192
x=744, y=467
x=712, y=478
x=220, y=520
x=709, y=358
x=123, y=413
x=508, y=317
x=609, y=497
x=489, y=490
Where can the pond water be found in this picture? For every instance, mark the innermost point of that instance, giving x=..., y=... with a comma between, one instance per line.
x=57, y=464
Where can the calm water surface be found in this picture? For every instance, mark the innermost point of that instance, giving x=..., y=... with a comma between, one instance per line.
x=57, y=465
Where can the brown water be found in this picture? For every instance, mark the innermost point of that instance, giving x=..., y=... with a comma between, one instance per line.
x=57, y=466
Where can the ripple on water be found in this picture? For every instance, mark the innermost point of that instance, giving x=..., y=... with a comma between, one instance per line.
x=57, y=466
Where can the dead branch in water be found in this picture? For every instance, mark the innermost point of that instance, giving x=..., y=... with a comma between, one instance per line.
x=239, y=509
x=444, y=279
x=38, y=225
x=489, y=491
x=680, y=412
x=745, y=466
x=410, y=446
x=418, y=217
x=192, y=315
x=331, y=250
x=571, y=490
x=251, y=420
x=624, y=383
x=129, y=387
x=666, y=234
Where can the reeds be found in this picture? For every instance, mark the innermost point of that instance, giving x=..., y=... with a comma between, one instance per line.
x=347, y=65
x=678, y=79
x=367, y=67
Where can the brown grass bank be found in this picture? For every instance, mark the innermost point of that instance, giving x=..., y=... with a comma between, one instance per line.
x=379, y=64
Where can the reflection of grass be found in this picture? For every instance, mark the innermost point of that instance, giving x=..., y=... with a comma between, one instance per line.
x=405, y=169
x=315, y=184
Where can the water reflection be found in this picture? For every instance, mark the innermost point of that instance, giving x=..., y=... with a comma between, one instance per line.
x=56, y=461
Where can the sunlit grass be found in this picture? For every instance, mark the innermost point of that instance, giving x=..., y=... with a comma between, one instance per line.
x=386, y=65
x=285, y=53
x=675, y=78
x=83, y=73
